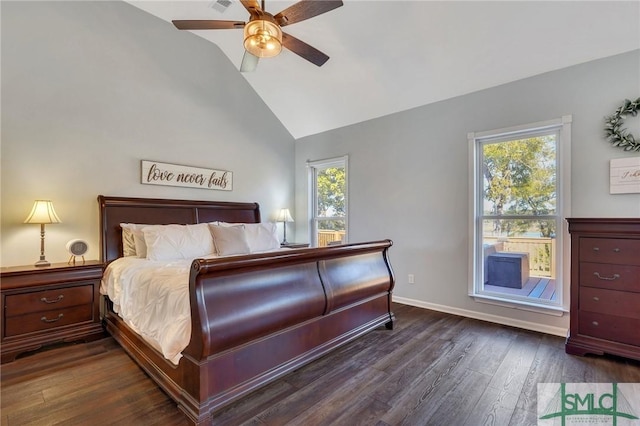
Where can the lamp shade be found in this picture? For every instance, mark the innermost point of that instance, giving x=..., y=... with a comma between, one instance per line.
x=42, y=212
x=284, y=216
x=262, y=38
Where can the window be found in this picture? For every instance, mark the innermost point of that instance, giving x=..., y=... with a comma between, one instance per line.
x=328, y=201
x=520, y=197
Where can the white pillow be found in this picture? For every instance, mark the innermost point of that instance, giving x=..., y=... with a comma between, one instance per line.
x=262, y=236
x=229, y=240
x=169, y=242
x=133, y=240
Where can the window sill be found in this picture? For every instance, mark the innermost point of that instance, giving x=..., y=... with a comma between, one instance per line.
x=539, y=308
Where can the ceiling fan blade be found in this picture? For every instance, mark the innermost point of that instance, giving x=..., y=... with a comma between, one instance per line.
x=305, y=9
x=249, y=62
x=303, y=50
x=207, y=25
x=251, y=4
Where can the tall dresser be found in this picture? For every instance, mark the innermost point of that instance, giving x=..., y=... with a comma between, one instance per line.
x=605, y=287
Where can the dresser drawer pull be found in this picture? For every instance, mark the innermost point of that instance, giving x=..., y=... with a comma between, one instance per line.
x=45, y=319
x=595, y=323
x=596, y=249
x=617, y=250
x=596, y=298
x=45, y=300
x=615, y=276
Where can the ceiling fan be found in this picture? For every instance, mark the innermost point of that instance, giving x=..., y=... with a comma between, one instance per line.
x=263, y=36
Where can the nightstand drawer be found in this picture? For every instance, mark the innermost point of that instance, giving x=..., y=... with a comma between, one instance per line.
x=46, y=300
x=613, y=277
x=610, y=250
x=611, y=302
x=39, y=321
x=610, y=327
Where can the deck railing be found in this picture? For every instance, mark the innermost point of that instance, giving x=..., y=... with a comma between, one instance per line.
x=541, y=253
x=541, y=250
x=327, y=236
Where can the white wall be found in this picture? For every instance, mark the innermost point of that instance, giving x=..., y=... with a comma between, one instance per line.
x=91, y=88
x=408, y=174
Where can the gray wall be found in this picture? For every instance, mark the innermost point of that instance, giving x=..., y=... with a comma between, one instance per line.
x=409, y=177
x=91, y=88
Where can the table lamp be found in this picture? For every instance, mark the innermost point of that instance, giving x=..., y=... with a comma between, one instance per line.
x=284, y=216
x=42, y=213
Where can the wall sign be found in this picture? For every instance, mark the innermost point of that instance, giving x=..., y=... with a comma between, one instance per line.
x=624, y=176
x=155, y=173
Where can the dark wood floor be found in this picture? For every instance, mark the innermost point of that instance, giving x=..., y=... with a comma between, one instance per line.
x=432, y=369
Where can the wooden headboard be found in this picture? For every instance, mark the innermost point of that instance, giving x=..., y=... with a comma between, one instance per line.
x=117, y=210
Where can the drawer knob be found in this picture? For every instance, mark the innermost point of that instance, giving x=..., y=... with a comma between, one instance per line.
x=614, y=277
x=595, y=323
x=56, y=300
x=596, y=249
x=617, y=250
x=45, y=319
x=596, y=298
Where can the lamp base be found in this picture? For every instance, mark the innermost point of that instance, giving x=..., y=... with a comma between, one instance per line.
x=42, y=262
x=284, y=237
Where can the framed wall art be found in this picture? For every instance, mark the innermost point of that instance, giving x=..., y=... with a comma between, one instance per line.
x=166, y=174
x=624, y=176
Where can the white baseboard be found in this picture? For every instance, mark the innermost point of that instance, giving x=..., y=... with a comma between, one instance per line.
x=527, y=325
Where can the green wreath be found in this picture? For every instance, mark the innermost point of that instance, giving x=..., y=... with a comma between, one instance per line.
x=613, y=128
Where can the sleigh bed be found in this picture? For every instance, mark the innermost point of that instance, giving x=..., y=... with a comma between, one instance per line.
x=253, y=317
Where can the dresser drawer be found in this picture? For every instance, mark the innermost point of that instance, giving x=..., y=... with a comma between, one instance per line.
x=613, y=277
x=46, y=300
x=610, y=327
x=39, y=321
x=610, y=302
x=610, y=250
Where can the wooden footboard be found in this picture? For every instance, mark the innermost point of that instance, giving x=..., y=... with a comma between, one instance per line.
x=258, y=317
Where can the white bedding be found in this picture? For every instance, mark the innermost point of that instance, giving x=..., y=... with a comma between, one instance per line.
x=152, y=297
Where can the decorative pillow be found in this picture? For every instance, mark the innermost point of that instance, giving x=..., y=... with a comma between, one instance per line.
x=229, y=239
x=133, y=240
x=262, y=236
x=169, y=242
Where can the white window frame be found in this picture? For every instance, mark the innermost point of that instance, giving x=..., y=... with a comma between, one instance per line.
x=563, y=206
x=313, y=168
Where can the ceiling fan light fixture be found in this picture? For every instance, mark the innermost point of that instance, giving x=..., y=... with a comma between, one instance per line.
x=262, y=38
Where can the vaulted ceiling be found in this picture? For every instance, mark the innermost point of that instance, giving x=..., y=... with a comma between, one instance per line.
x=389, y=56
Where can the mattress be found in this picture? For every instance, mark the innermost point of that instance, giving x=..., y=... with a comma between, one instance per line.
x=152, y=298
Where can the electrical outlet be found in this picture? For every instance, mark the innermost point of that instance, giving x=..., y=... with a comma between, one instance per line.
x=411, y=279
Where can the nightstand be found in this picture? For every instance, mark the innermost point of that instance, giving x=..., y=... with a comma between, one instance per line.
x=294, y=245
x=44, y=305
